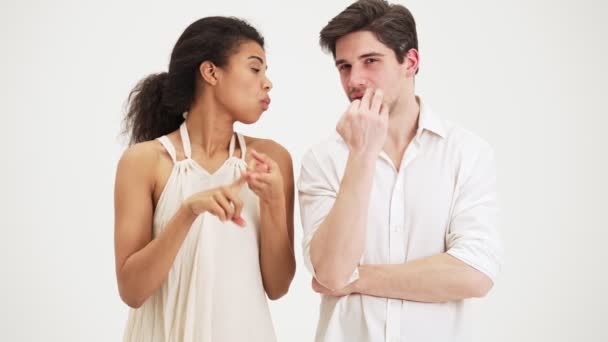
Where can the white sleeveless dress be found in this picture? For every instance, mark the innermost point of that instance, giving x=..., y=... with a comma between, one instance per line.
x=214, y=290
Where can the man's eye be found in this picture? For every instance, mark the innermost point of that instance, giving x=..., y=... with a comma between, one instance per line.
x=344, y=67
x=370, y=60
x=255, y=70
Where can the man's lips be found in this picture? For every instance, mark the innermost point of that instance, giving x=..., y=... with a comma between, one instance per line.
x=356, y=96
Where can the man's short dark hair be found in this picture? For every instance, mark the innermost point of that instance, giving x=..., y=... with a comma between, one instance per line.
x=392, y=24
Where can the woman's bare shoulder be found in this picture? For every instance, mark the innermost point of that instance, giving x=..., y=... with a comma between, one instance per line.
x=269, y=147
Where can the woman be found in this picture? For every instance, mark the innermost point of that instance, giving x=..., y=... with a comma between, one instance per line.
x=201, y=237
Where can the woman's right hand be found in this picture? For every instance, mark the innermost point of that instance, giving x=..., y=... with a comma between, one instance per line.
x=223, y=202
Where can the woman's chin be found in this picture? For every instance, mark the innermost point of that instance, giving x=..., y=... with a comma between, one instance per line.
x=250, y=118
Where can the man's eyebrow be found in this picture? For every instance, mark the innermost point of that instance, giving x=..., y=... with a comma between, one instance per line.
x=371, y=54
x=340, y=61
x=365, y=55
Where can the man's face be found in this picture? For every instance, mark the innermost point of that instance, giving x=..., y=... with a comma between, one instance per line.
x=363, y=61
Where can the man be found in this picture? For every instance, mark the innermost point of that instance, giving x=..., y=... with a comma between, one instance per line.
x=399, y=210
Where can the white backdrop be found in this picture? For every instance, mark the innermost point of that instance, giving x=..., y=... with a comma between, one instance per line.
x=528, y=76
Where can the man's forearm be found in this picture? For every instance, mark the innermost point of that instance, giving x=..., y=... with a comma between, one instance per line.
x=434, y=279
x=338, y=244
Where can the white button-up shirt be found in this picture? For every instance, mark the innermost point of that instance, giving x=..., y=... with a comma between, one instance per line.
x=442, y=199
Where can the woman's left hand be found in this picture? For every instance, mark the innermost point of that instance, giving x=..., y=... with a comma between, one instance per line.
x=264, y=178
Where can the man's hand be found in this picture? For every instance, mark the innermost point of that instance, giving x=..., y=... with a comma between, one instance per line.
x=364, y=125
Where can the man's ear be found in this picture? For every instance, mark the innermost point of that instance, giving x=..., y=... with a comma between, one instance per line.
x=209, y=72
x=411, y=61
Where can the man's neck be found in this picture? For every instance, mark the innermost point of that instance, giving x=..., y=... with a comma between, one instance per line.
x=402, y=127
x=403, y=124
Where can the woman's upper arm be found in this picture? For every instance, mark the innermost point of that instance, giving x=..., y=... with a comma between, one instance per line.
x=133, y=202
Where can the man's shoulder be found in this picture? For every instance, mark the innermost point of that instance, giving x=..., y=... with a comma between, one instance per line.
x=330, y=148
x=464, y=141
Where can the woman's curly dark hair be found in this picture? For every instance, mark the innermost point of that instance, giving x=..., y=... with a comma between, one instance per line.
x=156, y=104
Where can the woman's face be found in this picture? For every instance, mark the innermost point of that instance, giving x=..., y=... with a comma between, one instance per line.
x=243, y=88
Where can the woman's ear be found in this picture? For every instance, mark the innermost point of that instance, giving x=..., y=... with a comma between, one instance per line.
x=208, y=72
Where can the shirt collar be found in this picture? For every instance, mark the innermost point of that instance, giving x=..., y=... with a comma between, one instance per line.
x=429, y=121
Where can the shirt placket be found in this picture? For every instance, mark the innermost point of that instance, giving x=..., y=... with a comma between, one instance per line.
x=397, y=243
